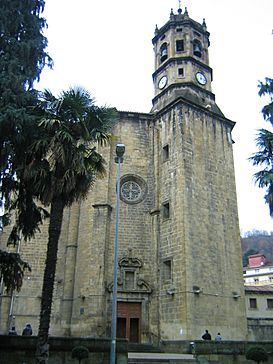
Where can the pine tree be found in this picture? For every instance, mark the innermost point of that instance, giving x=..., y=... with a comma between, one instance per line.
x=264, y=141
x=22, y=58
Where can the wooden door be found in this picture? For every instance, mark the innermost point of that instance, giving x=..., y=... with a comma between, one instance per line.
x=129, y=320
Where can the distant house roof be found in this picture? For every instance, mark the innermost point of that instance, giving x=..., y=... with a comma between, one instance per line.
x=259, y=289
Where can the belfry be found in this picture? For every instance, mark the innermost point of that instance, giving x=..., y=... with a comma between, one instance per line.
x=179, y=257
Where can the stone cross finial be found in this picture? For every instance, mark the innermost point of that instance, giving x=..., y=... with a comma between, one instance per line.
x=179, y=7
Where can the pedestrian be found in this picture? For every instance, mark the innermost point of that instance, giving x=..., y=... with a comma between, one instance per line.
x=206, y=335
x=218, y=338
x=12, y=332
x=27, y=330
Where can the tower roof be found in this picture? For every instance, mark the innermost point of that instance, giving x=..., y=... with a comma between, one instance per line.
x=180, y=19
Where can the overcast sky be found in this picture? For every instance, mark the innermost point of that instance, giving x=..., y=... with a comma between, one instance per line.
x=105, y=46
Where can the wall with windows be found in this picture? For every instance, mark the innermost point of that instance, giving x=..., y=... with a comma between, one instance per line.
x=259, y=309
x=262, y=275
x=259, y=302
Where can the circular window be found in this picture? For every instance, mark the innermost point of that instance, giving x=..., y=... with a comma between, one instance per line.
x=133, y=189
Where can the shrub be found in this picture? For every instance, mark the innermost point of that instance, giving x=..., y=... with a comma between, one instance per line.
x=80, y=352
x=256, y=353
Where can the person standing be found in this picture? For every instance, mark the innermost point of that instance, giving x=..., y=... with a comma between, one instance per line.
x=206, y=335
x=27, y=330
x=218, y=338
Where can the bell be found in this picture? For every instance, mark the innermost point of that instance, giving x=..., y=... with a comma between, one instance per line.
x=197, y=50
x=164, y=54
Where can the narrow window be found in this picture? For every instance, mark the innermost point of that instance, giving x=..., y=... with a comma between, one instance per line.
x=181, y=72
x=167, y=270
x=179, y=45
x=252, y=303
x=163, y=52
x=165, y=152
x=197, y=48
x=166, y=210
x=129, y=280
x=270, y=303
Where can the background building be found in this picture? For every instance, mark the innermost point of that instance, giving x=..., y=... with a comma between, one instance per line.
x=259, y=271
x=259, y=309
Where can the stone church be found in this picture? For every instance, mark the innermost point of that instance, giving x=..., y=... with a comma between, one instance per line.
x=179, y=257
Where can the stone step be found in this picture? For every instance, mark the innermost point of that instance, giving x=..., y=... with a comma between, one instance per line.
x=160, y=358
x=152, y=361
x=142, y=348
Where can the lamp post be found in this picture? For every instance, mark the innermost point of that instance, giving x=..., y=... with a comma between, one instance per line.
x=120, y=149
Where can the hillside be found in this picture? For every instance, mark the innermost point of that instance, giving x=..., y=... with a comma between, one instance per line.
x=260, y=243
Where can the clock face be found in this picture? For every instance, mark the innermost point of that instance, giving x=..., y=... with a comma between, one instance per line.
x=162, y=82
x=201, y=78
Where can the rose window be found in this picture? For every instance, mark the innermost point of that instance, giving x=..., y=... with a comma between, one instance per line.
x=130, y=191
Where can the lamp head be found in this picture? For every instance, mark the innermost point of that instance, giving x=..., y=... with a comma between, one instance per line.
x=120, y=149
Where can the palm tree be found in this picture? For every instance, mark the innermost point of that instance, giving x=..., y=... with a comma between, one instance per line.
x=63, y=168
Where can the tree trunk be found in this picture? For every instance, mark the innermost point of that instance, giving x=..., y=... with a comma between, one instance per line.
x=54, y=230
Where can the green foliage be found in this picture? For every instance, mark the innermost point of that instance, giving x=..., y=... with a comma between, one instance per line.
x=65, y=162
x=264, y=141
x=22, y=58
x=12, y=269
x=257, y=353
x=262, y=244
x=80, y=352
x=266, y=89
x=63, y=168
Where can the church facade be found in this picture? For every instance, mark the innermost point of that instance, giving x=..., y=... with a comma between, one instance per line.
x=179, y=257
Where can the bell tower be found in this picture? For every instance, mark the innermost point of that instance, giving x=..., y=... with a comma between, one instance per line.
x=199, y=237
x=182, y=61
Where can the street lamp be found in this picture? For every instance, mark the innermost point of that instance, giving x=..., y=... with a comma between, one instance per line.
x=120, y=149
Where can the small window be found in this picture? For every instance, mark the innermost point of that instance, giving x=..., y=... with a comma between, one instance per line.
x=165, y=152
x=270, y=303
x=252, y=303
x=257, y=270
x=167, y=270
x=166, y=210
x=179, y=45
x=179, y=30
x=256, y=280
x=181, y=72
